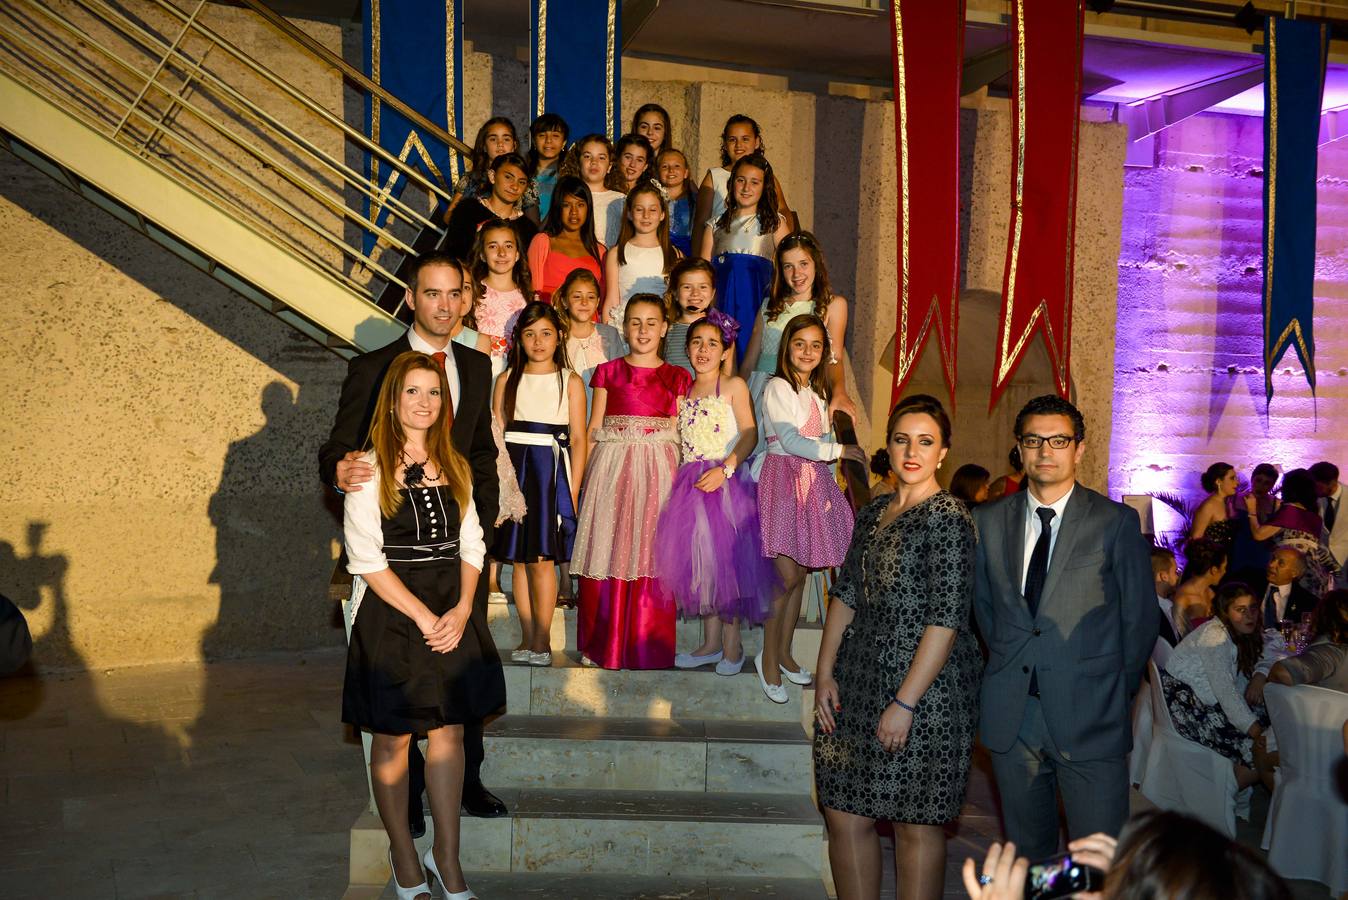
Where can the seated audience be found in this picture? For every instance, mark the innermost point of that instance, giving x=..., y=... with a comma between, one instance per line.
x=1159, y=856
x=1212, y=519
x=1325, y=661
x=969, y=484
x=1165, y=573
x=1283, y=598
x=1206, y=678
x=1203, y=571
x=1298, y=524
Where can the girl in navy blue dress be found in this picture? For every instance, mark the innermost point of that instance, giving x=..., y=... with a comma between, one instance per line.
x=542, y=403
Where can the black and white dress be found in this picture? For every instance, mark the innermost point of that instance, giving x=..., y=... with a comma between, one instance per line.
x=914, y=572
x=395, y=683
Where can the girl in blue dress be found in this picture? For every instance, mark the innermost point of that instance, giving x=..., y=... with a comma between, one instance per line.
x=741, y=244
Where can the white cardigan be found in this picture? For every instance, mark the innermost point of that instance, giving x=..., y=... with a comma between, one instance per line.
x=784, y=412
x=1206, y=661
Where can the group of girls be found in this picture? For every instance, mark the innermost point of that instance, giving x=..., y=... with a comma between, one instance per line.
x=626, y=427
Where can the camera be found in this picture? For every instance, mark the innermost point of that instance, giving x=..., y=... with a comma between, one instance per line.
x=1059, y=876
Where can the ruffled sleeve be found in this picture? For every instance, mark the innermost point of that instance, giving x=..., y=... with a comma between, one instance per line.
x=363, y=527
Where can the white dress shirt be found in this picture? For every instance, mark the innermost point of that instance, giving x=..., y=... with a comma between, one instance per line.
x=1281, y=597
x=1338, y=538
x=1033, y=527
x=421, y=345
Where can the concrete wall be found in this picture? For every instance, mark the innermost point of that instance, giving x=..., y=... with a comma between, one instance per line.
x=1189, y=382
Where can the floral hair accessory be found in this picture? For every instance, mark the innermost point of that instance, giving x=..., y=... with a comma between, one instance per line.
x=726, y=324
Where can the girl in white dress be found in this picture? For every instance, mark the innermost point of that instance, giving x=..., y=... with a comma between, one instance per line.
x=641, y=262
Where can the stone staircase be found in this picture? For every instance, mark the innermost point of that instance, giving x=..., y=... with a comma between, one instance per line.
x=636, y=784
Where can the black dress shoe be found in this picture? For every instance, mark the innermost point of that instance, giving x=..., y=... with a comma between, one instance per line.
x=418, y=825
x=482, y=803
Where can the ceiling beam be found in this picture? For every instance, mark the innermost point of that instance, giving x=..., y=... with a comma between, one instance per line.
x=1151, y=115
x=1333, y=125
x=985, y=68
x=635, y=14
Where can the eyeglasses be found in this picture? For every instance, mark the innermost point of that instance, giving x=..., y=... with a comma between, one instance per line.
x=1056, y=441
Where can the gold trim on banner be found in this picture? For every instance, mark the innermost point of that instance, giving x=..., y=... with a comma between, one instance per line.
x=1008, y=355
x=1069, y=251
x=905, y=357
x=541, y=57
x=450, y=64
x=612, y=25
x=376, y=41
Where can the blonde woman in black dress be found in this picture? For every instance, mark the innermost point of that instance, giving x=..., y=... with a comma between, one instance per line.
x=898, y=672
x=421, y=661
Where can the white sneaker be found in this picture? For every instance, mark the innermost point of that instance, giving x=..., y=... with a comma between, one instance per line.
x=689, y=661
x=541, y=659
x=728, y=667
x=520, y=656
x=587, y=662
x=801, y=677
x=775, y=692
x=496, y=597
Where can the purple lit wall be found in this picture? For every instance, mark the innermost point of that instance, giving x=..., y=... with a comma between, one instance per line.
x=1188, y=383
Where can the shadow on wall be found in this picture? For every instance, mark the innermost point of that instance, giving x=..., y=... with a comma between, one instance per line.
x=29, y=580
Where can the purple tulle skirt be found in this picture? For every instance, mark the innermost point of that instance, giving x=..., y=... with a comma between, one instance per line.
x=707, y=553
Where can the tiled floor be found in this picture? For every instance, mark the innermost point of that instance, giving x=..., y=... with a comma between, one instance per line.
x=236, y=781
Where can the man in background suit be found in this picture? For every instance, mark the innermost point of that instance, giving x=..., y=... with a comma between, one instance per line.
x=1281, y=595
x=1165, y=575
x=434, y=291
x=1334, y=514
x=1064, y=597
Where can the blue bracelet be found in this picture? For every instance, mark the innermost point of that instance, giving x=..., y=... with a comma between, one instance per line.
x=902, y=705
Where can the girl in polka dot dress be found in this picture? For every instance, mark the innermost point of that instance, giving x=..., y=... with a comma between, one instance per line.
x=805, y=520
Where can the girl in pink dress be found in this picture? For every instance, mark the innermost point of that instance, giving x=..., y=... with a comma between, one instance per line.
x=626, y=619
x=501, y=278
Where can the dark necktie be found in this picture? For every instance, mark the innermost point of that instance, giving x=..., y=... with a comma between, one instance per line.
x=1034, y=578
x=1271, y=607
x=449, y=401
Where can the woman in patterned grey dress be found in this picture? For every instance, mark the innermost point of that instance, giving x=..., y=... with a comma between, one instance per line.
x=898, y=672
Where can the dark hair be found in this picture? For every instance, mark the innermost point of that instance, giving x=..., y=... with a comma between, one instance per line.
x=1169, y=856
x=1324, y=472
x=1161, y=558
x=532, y=312
x=573, y=186
x=664, y=116
x=434, y=258
x=543, y=124
x=634, y=140
x=1014, y=461
x=1299, y=487
x=705, y=322
x=821, y=292
x=676, y=274
x=629, y=229
x=1330, y=618
x=966, y=481
x=478, y=161
x=767, y=201
x=1215, y=473
x=571, y=162
x=739, y=119
x=559, y=297
x=1201, y=556
x=924, y=404
x=1051, y=405
x=1249, y=647
x=478, y=263
x=1265, y=469
x=818, y=382
x=880, y=465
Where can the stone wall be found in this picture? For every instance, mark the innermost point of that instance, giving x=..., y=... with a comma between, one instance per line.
x=1189, y=382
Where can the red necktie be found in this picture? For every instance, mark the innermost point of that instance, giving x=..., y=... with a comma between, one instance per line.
x=449, y=401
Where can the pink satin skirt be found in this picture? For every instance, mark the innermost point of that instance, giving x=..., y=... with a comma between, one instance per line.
x=626, y=624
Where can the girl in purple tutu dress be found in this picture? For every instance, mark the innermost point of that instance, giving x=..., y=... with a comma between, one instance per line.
x=707, y=555
x=626, y=620
x=806, y=522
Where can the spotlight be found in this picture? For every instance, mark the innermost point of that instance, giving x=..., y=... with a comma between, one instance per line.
x=1249, y=18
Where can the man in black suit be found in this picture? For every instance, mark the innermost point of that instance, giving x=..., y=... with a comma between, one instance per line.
x=1063, y=595
x=434, y=291
x=1283, y=597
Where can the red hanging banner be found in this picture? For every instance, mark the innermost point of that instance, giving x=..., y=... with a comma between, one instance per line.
x=928, y=57
x=1046, y=108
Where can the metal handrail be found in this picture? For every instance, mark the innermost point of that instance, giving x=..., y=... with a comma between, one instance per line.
x=205, y=154
x=306, y=171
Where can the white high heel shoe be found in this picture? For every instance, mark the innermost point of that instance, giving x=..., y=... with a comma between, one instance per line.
x=411, y=893
x=466, y=894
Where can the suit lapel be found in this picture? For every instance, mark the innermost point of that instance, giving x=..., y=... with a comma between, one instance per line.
x=1014, y=524
x=1068, y=532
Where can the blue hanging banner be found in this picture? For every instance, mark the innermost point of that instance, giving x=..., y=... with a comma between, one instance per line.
x=414, y=50
x=1295, y=53
x=575, y=67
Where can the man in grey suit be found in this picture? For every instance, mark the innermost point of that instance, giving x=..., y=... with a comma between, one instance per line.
x=1064, y=598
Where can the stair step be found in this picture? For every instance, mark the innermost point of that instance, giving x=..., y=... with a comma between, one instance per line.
x=642, y=833
x=568, y=689
x=546, y=886
x=505, y=630
x=647, y=754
